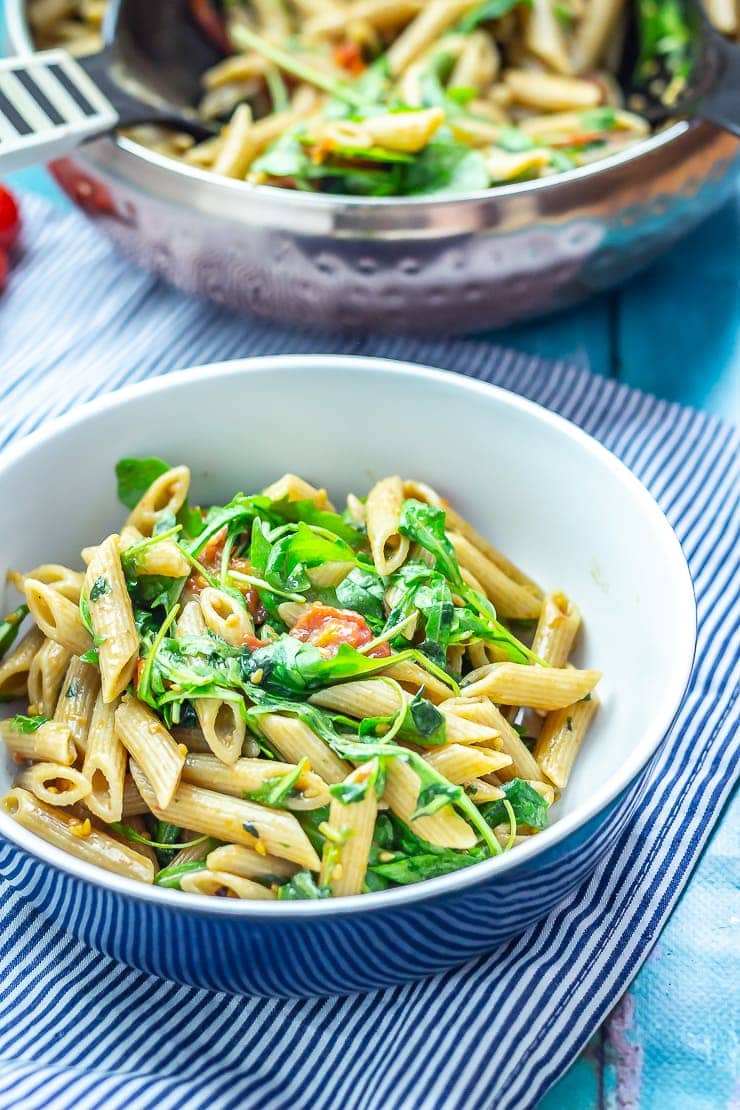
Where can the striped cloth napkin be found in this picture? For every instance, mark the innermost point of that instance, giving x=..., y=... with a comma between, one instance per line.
x=78, y=1030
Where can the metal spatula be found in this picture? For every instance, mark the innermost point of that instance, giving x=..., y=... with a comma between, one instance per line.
x=149, y=71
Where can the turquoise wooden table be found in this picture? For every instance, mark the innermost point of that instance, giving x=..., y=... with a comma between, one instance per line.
x=672, y=331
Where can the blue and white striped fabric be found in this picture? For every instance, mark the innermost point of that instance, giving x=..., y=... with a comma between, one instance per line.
x=78, y=1030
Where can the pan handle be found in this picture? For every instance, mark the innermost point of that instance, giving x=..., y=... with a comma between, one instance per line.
x=721, y=105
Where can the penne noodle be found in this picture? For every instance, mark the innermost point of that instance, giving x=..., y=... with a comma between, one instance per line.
x=222, y=721
x=237, y=859
x=76, y=837
x=51, y=742
x=148, y=742
x=409, y=674
x=444, y=828
x=481, y=791
x=523, y=763
x=232, y=820
x=461, y=764
x=543, y=37
x=55, y=784
x=297, y=489
x=556, y=630
x=132, y=805
x=535, y=687
x=66, y=582
x=162, y=558
x=225, y=616
x=77, y=700
x=350, y=834
x=46, y=675
x=248, y=775
x=105, y=761
x=593, y=32
x=224, y=885
x=57, y=616
x=550, y=93
x=15, y=668
x=389, y=548
x=293, y=740
x=561, y=738
x=112, y=619
x=166, y=494
x=434, y=18
x=510, y=599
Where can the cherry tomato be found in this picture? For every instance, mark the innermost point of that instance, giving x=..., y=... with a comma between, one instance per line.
x=328, y=628
x=349, y=57
x=10, y=219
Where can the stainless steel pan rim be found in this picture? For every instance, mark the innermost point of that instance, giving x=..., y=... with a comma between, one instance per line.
x=21, y=40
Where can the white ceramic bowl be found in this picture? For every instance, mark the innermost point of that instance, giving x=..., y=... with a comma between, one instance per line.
x=547, y=494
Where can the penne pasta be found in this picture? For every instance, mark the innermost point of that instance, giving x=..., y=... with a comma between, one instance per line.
x=166, y=494
x=510, y=599
x=225, y=616
x=293, y=740
x=66, y=582
x=112, y=619
x=46, y=675
x=560, y=740
x=237, y=859
x=389, y=548
x=461, y=764
x=536, y=687
x=15, y=668
x=556, y=630
x=55, y=784
x=105, y=762
x=57, y=616
x=350, y=834
x=77, y=700
x=444, y=828
x=148, y=742
x=224, y=885
x=51, y=742
x=231, y=819
x=77, y=838
x=250, y=775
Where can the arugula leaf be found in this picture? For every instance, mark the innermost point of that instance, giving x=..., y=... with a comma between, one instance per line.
x=274, y=791
x=295, y=512
x=363, y=591
x=445, y=166
x=426, y=525
x=135, y=477
x=599, y=119
x=434, y=797
x=413, y=869
x=27, y=725
x=170, y=876
x=10, y=626
x=514, y=140
x=302, y=887
x=489, y=9
x=423, y=723
x=529, y=807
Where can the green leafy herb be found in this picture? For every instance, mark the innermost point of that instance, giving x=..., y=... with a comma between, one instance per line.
x=135, y=477
x=302, y=886
x=26, y=725
x=489, y=9
x=100, y=587
x=168, y=830
x=444, y=166
x=529, y=807
x=10, y=626
x=170, y=876
x=274, y=791
x=599, y=119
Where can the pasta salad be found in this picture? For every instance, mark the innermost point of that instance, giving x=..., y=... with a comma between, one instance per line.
x=414, y=97
x=273, y=699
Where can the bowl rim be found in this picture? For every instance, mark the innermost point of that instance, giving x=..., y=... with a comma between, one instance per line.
x=19, y=34
x=664, y=715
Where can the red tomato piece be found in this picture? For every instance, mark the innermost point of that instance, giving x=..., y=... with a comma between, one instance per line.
x=10, y=219
x=349, y=57
x=327, y=628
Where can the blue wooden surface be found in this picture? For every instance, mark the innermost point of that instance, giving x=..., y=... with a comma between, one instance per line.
x=673, y=331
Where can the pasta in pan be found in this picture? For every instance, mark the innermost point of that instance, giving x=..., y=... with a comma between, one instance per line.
x=386, y=97
x=272, y=699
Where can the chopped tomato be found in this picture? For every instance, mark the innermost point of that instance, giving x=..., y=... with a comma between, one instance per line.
x=211, y=555
x=10, y=219
x=328, y=628
x=253, y=642
x=348, y=56
x=140, y=663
